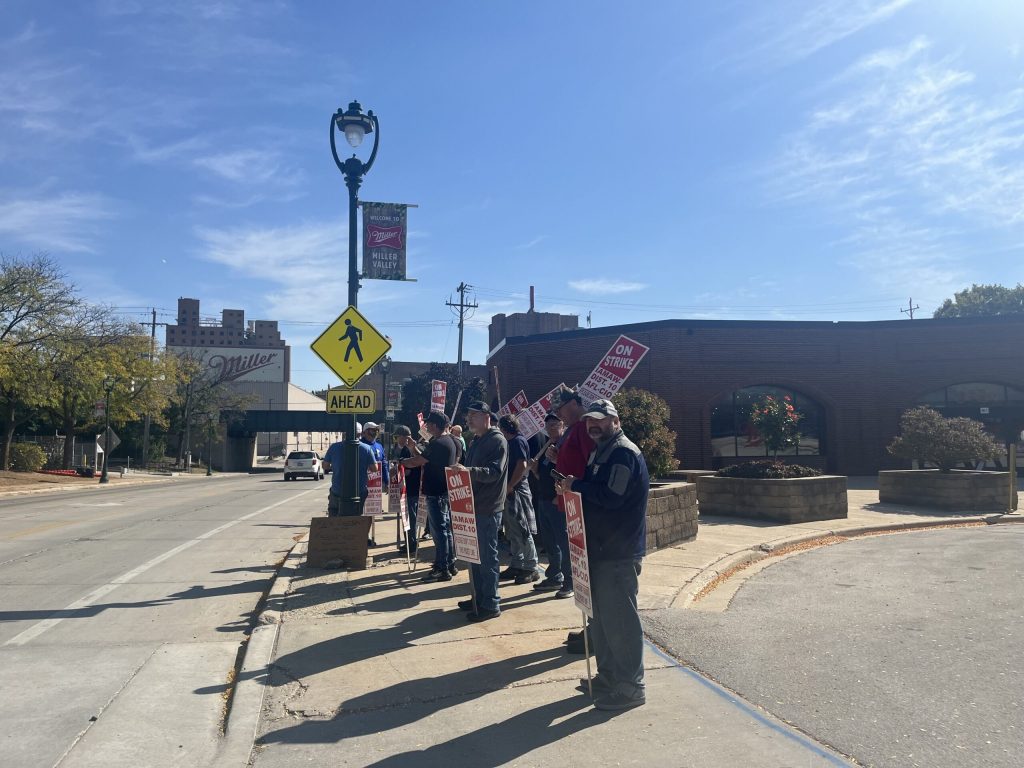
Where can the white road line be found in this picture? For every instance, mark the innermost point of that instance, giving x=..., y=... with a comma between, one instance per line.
x=37, y=629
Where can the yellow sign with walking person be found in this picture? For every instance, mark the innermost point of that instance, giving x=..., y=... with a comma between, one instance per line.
x=351, y=346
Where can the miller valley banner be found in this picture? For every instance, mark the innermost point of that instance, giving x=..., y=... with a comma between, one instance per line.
x=613, y=370
x=460, y=496
x=438, y=394
x=374, y=504
x=578, y=560
x=384, y=236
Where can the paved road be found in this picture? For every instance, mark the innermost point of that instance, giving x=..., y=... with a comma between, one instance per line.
x=899, y=650
x=122, y=611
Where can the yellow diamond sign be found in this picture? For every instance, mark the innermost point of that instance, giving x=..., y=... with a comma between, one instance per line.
x=351, y=346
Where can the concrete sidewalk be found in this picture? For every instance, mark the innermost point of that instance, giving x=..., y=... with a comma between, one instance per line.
x=378, y=668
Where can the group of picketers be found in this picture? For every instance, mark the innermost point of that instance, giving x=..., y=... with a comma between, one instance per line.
x=518, y=486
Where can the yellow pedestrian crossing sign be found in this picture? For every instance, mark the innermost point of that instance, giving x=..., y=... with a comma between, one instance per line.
x=351, y=346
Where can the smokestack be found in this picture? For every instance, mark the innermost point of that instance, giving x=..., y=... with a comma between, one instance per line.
x=531, y=298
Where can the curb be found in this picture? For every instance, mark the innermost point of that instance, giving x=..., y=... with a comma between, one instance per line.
x=687, y=595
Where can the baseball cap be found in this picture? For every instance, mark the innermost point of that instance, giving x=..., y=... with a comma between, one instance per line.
x=370, y=425
x=403, y=430
x=438, y=418
x=480, y=406
x=600, y=409
x=563, y=396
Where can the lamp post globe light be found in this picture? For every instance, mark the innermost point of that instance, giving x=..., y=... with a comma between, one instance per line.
x=108, y=385
x=355, y=125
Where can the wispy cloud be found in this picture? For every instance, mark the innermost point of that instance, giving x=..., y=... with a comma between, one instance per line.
x=604, y=286
x=910, y=154
x=528, y=245
x=782, y=34
x=252, y=167
x=65, y=223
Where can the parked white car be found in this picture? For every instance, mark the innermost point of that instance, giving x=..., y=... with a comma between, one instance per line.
x=303, y=464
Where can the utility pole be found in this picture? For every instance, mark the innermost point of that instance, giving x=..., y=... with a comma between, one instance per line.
x=145, y=428
x=910, y=308
x=462, y=307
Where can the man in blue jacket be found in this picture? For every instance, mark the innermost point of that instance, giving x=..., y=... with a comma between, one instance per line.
x=333, y=462
x=614, y=492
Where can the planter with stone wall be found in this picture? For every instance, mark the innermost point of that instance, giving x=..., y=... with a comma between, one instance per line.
x=671, y=514
x=793, y=500
x=956, y=491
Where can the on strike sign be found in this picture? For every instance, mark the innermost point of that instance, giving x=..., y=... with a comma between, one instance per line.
x=374, y=504
x=460, y=494
x=397, y=502
x=613, y=370
x=578, y=552
x=438, y=394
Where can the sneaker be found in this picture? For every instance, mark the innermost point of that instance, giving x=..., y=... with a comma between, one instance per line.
x=601, y=688
x=508, y=574
x=574, y=637
x=432, y=576
x=453, y=570
x=616, y=702
x=443, y=576
x=466, y=605
x=482, y=616
x=527, y=577
x=547, y=585
x=564, y=592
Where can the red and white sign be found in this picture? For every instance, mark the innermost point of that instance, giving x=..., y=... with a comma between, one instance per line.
x=460, y=496
x=374, y=505
x=438, y=395
x=613, y=370
x=518, y=403
x=531, y=421
x=397, y=502
x=423, y=432
x=578, y=552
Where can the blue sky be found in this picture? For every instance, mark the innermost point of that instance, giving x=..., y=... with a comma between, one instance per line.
x=801, y=159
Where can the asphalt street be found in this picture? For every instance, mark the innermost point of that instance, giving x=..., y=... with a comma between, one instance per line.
x=122, y=611
x=899, y=650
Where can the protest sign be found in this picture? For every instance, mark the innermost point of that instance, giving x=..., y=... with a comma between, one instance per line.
x=374, y=504
x=424, y=435
x=578, y=552
x=518, y=403
x=397, y=502
x=531, y=421
x=438, y=395
x=613, y=370
x=460, y=497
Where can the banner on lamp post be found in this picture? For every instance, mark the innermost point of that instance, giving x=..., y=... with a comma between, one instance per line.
x=385, y=230
x=438, y=395
x=460, y=497
x=613, y=370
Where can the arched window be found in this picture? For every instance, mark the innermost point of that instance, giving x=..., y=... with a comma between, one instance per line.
x=732, y=434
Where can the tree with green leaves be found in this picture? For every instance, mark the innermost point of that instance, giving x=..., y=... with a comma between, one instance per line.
x=927, y=435
x=984, y=300
x=645, y=419
x=416, y=393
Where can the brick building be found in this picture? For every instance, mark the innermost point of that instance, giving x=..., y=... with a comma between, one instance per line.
x=850, y=380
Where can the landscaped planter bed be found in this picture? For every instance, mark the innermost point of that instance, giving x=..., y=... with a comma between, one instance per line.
x=955, y=491
x=792, y=500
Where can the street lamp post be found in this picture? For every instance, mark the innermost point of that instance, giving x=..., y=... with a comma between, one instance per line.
x=209, y=445
x=108, y=385
x=385, y=366
x=355, y=125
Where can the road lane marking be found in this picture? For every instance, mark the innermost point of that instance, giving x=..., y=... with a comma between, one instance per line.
x=37, y=629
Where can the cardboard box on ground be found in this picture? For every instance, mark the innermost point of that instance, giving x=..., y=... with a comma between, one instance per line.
x=334, y=538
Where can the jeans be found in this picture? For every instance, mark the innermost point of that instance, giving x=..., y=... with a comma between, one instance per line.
x=615, y=630
x=551, y=521
x=440, y=515
x=485, y=575
x=517, y=530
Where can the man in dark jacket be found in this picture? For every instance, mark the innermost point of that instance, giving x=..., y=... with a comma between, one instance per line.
x=487, y=462
x=614, y=492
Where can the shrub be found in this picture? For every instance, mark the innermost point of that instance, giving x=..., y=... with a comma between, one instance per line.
x=776, y=420
x=767, y=470
x=27, y=457
x=644, y=418
x=927, y=435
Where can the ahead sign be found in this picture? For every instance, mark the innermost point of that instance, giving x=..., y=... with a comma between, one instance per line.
x=351, y=401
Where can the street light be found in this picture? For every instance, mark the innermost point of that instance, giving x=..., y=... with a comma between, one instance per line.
x=108, y=385
x=355, y=125
x=209, y=445
x=385, y=366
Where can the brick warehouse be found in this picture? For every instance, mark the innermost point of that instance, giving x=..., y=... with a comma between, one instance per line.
x=852, y=379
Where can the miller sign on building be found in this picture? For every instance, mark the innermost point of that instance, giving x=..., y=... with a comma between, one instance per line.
x=240, y=364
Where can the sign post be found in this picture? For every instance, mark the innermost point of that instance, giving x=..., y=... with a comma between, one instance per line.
x=460, y=497
x=580, y=567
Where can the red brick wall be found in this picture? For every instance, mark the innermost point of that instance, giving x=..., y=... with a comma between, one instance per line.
x=864, y=374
